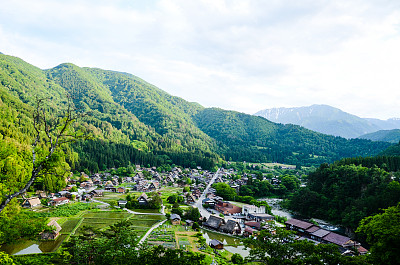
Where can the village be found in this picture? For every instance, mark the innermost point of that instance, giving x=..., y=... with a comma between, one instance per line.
x=193, y=187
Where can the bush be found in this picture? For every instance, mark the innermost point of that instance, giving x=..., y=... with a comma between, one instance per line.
x=237, y=259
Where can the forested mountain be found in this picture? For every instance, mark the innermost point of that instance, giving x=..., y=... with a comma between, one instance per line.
x=391, y=136
x=350, y=189
x=251, y=138
x=328, y=120
x=133, y=121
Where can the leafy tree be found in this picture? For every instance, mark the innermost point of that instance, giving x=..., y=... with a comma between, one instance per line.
x=193, y=213
x=172, y=198
x=237, y=259
x=50, y=134
x=5, y=259
x=382, y=232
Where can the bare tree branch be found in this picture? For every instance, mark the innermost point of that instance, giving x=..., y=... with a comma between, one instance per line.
x=52, y=131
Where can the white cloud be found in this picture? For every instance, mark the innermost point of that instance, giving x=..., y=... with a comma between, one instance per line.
x=244, y=54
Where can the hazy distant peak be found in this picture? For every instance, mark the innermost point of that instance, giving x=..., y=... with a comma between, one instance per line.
x=327, y=119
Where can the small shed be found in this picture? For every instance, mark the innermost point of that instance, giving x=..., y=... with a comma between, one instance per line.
x=216, y=244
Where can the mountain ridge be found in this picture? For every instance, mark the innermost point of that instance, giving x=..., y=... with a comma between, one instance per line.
x=154, y=127
x=328, y=120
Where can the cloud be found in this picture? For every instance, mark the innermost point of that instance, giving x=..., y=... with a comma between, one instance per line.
x=241, y=54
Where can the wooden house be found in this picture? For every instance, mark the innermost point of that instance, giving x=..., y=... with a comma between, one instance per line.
x=51, y=234
x=121, y=189
x=175, y=219
x=31, y=202
x=231, y=227
x=58, y=201
x=216, y=244
x=143, y=199
x=214, y=222
x=190, y=199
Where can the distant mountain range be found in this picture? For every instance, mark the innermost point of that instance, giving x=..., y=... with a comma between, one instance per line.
x=328, y=120
x=133, y=121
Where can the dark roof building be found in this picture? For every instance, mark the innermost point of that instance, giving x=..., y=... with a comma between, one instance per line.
x=214, y=222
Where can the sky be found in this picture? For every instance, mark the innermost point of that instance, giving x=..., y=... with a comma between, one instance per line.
x=243, y=55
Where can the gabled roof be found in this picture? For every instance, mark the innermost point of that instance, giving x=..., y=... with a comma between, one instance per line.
x=336, y=239
x=320, y=233
x=56, y=225
x=312, y=229
x=298, y=223
x=230, y=226
x=144, y=196
x=257, y=225
x=214, y=221
x=175, y=216
x=33, y=201
x=215, y=242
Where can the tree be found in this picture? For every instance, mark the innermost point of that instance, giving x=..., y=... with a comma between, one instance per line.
x=382, y=232
x=172, y=199
x=50, y=134
x=237, y=259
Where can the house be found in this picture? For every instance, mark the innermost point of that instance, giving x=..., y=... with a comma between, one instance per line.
x=208, y=202
x=31, y=202
x=248, y=231
x=246, y=209
x=190, y=199
x=214, y=222
x=227, y=208
x=58, y=201
x=169, y=179
x=153, y=186
x=298, y=225
x=122, y=203
x=189, y=222
x=254, y=225
x=52, y=234
x=175, y=219
x=96, y=193
x=260, y=217
x=216, y=244
x=143, y=199
x=110, y=188
x=231, y=227
x=121, y=189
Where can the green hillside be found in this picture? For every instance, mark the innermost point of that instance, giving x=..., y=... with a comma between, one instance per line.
x=253, y=138
x=133, y=121
x=391, y=136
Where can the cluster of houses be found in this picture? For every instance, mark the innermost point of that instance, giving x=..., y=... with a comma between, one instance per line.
x=316, y=234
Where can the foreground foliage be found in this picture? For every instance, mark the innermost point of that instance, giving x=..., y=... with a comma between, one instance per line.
x=382, y=232
x=281, y=248
x=346, y=193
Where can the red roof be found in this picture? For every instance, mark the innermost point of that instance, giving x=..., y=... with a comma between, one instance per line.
x=60, y=199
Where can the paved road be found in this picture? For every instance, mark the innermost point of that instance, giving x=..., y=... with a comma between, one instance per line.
x=198, y=203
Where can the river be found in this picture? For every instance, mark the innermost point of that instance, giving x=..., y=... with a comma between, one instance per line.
x=276, y=209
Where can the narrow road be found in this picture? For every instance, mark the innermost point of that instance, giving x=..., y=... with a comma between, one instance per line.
x=151, y=230
x=198, y=203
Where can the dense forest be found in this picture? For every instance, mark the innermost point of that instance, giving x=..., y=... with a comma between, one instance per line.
x=349, y=190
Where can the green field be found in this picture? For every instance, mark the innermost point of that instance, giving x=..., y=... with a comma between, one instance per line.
x=69, y=225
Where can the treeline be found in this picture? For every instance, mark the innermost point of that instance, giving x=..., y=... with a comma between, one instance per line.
x=99, y=155
x=388, y=163
x=244, y=137
x=345, y=193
